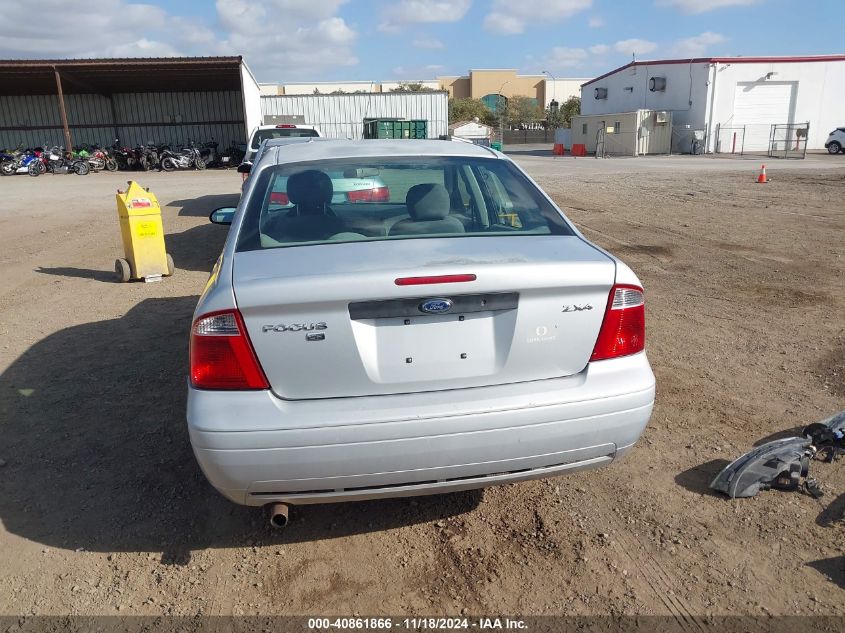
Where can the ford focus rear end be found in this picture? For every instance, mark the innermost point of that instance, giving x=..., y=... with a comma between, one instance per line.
x=453, y=333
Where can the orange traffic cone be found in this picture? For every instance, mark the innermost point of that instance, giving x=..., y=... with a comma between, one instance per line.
x=762, y=177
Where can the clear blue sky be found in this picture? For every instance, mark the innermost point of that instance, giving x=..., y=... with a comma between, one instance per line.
x=322, y=40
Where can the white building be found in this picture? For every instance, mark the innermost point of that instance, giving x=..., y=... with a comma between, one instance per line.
x=561, y=89
x=732, y=102
x=472, y=131
x=345, y=115
x=341, y=87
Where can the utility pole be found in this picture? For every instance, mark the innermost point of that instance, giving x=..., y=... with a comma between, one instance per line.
x=63, y=112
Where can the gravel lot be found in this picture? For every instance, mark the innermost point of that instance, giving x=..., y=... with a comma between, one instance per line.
x=105, y=511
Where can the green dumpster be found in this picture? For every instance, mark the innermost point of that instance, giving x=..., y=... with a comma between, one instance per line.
x=392, y=128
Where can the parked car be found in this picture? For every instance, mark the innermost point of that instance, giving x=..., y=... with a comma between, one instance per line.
x=350, y=186
x=835, y=142
x=286, y=130
x=457, y=333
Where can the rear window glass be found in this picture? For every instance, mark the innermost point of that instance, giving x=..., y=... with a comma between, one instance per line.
x=371, y=199
x=284, y=132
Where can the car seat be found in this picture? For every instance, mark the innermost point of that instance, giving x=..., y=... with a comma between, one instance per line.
x=311, y=218
x=428, y=205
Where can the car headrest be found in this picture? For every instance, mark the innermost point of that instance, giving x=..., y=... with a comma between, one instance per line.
x=427, y=202
x=310, y=188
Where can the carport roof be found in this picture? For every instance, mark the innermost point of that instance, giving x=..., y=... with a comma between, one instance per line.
x=109, y=76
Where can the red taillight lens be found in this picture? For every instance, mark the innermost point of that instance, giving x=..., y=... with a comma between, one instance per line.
x=623, y=329
x=221, y=354
x=376, y=194
x=278, y=197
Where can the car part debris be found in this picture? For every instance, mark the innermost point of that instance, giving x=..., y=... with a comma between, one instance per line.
x=827, y=437
x=784, y=464
x=774, y=464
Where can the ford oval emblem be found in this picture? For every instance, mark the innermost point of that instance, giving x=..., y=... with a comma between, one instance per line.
x=436, y=306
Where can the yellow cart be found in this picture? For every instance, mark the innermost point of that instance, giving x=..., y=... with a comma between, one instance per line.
x=143, y=236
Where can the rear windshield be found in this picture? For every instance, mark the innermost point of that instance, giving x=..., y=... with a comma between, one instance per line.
x=282, y=132
x=370, y=199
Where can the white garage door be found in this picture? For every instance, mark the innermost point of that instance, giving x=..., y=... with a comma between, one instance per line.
x=758, y=106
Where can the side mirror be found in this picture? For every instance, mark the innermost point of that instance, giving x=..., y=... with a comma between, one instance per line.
x=223, y=215
x=244, y=168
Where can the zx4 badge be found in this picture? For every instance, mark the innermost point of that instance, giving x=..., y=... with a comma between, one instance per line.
x=577, y=308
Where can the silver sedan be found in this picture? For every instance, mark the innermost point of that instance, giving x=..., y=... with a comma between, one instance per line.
x=452, y=331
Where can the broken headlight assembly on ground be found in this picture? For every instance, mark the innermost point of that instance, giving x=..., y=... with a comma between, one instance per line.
x=784, y=464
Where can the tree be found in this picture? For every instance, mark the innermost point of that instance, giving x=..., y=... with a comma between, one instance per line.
x=562, y=116
x=523, y=112
x=570, y=108
x=411, y=86
x=468, y=109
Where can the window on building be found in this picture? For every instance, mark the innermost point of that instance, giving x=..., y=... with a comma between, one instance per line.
x=583, y=128
x=494, y=102
x=617, y=127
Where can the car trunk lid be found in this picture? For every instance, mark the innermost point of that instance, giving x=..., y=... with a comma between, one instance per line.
x=332, y=321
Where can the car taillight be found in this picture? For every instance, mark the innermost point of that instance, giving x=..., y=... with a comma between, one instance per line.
x=221, y=354
x=433, y=279
x=278, y=197
x=623, y=329
x=285, y=126
x=376, y=194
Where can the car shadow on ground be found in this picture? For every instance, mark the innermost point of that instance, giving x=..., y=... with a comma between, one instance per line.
x=833, y=568
x=202, y=206
x=98, y=457
x=194, y=249
x=698, y=478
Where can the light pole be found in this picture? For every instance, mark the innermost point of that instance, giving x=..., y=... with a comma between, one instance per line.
x=499, y=99
x=554, y=87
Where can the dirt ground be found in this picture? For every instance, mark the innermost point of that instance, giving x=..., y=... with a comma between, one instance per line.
x=105, y=511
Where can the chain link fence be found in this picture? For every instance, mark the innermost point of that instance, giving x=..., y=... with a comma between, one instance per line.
x=788, y=140
x=729, y=139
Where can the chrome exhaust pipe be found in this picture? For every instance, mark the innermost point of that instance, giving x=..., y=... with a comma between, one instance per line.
x=279, y=515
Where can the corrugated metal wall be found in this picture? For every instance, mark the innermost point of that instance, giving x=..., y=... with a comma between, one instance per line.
x=167, y=117
x=342, y=116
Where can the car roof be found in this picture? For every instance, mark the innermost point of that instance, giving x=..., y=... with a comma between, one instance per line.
x=289, y=126
x=323, y=148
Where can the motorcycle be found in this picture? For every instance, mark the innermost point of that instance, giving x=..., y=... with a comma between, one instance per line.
x=151, y=156
x=208, y=151
x=58, y=162
x=20, y=162
x=123, y=156
x=233, y=155
x=98, y=158
x=185, y=159
x=131, y=158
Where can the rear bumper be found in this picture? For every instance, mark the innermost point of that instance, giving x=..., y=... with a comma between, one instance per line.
x=256, y=448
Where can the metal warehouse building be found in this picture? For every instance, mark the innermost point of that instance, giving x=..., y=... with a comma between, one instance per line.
x=733, y=104
x=344, y=115
x=94, y=101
